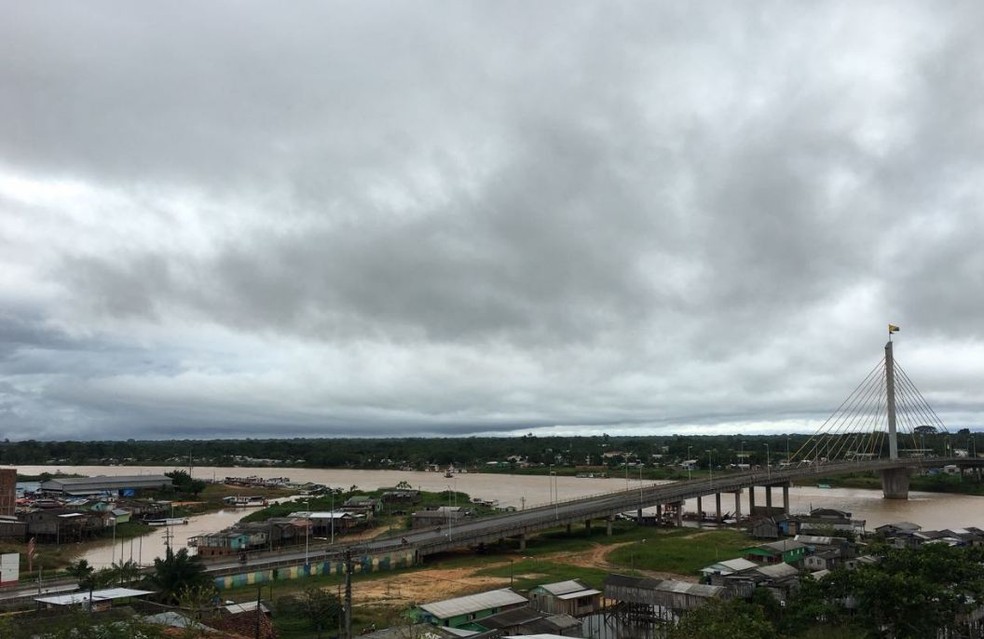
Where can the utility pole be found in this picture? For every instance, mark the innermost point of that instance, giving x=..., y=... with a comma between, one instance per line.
x=259, y=589
x=348, y=594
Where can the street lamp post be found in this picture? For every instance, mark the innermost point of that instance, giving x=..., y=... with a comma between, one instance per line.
x=555, y=493
x=332, y=493
x=450, y=517
x=307, y=530
x=768, y=461
x=550, y=486
x=710, y=470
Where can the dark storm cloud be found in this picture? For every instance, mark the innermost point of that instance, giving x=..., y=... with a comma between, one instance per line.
x=373, y=218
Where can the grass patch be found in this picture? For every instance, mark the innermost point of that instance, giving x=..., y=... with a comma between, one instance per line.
x=682, y=551
x=525, y=573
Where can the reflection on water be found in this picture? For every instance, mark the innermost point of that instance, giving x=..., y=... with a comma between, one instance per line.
x=144, y=549
x=930, y=510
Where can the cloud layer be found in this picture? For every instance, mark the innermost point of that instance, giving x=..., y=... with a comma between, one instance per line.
x=372, y=218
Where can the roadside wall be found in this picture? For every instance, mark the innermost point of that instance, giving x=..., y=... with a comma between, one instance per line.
x=363, y=563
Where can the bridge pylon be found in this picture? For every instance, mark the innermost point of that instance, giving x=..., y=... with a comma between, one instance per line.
x=895, y=481
x=884, y=408
x=893, y=437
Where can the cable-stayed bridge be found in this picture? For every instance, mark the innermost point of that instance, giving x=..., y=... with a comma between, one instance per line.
x=863, y=435
x=884, y=416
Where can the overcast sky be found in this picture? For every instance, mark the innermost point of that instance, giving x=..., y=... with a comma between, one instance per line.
x=225, y=219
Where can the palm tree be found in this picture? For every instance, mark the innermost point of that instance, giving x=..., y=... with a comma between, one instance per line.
x=176, y=572
x=83, y=572
x=125, y=572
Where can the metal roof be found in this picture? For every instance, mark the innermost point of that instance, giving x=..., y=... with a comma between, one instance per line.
x=98, y=482
x=473, y=603
x=175, y=620
x=248, y=606
x=579, y=594
x=663, y=585
x=783, y=545
x=327, y=514
x=563, y=587
x=107, y=594
x=819, y=540
x=685, y=587
x=778, y=571
x=729, y=566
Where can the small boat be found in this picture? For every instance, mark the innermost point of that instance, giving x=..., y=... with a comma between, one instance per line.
x=169, y=521
x=240, y=501
x=823, y=485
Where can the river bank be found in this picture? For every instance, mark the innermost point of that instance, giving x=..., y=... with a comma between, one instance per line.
x=931, y=510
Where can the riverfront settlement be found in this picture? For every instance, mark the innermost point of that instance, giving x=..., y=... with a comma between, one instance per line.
x=767, y=570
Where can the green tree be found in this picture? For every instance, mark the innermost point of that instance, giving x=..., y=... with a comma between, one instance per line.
x=83, y=572
x=322, y=608
x=808, y=606
x=176, y=572
x=911, y=593
x=724, y=619
x=198, y=600
x=124, y=572
x=184, y=483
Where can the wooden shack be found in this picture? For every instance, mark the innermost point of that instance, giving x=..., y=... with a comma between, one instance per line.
x=566, y=597
x=658, y=599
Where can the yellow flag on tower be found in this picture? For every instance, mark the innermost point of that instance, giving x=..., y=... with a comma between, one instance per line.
x=892, y=328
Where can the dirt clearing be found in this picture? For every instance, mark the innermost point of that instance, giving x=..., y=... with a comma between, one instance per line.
x=428, y=585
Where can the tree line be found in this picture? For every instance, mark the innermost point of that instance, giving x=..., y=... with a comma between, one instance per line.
x=490, y=453
x=934, y=590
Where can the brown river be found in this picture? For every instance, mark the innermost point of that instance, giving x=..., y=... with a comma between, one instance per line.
x=930, y=510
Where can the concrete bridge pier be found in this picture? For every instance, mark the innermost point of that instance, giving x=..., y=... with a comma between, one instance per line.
x=738, y=504
x=768, y=500
x=659, y=513
x=679, y=514
x=717, y=504
x=751, y=500
x=608, y=526
x=587, y=526
x=568, y=527
x=785, y=499
x=522, y=542
x=700, y=511
x=895, y=483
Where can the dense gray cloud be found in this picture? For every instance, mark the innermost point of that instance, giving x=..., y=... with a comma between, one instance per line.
x=369, y=218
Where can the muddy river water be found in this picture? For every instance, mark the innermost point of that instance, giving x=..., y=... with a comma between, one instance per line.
x=930, y=510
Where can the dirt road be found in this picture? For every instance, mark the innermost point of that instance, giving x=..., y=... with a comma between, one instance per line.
x=437, y=584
